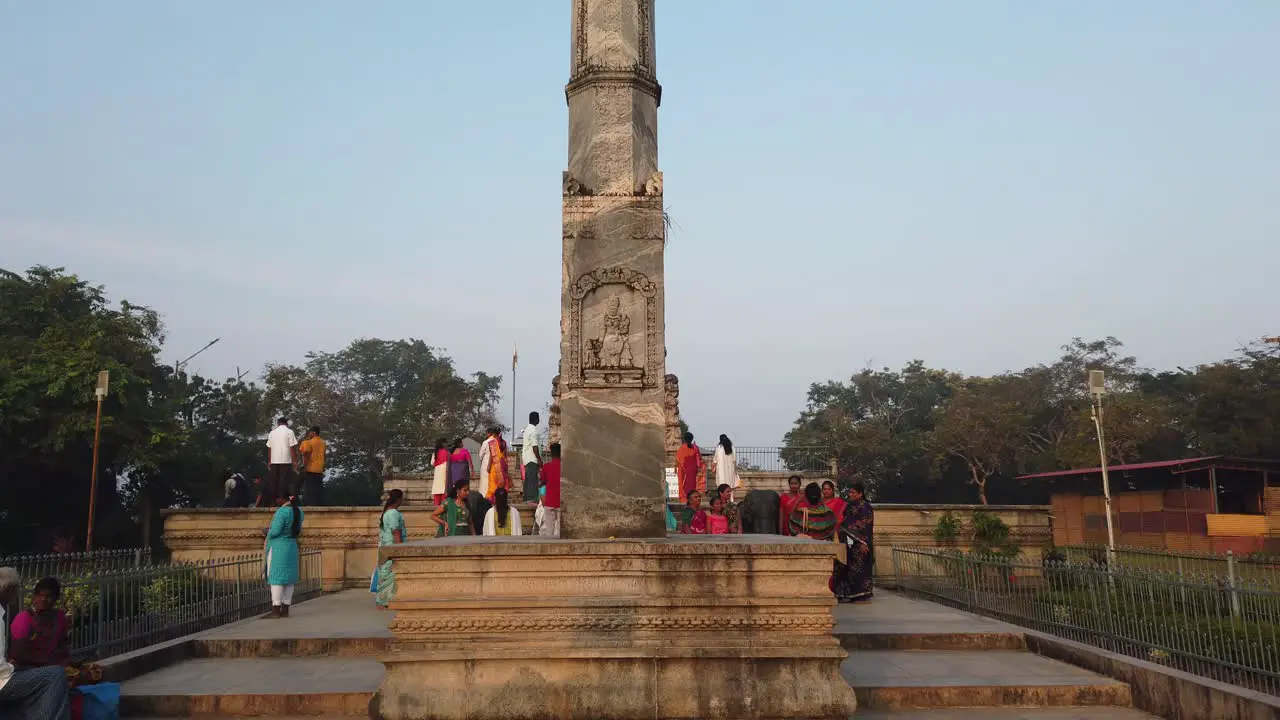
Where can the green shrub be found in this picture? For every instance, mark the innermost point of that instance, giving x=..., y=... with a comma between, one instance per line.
x=947, y=530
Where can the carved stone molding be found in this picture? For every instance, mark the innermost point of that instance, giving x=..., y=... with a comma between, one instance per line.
x=560, y=623
x=646, y=32
x=580, y=35
x=581, y=373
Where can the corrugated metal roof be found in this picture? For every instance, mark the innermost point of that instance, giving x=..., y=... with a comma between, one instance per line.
x=1121, y=468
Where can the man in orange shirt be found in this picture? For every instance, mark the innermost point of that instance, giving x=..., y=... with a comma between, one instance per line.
x=312, y=448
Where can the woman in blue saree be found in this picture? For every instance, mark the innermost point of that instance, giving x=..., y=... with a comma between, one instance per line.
x=391, y=531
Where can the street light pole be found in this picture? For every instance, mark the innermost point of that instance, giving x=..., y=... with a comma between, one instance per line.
x=1097, y=388
x=101, y=393
x=177, y=367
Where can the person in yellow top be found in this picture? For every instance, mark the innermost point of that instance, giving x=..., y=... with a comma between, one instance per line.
x=312, y=449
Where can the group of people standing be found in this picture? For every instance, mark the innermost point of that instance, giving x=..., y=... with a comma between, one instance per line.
x=819, y=512
x=691, y=469
x=460, y=512
x=294, y=469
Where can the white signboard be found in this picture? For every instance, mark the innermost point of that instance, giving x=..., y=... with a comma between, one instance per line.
x=673, y=484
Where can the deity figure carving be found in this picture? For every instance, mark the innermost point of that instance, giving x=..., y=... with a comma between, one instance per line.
x=615, y=341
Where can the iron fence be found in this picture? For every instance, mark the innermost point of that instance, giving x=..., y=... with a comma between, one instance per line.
x=32, y=566
x=779, y=459
x=417, y=460
x=1228, y=568
x=1202, y=624
x=114, y=611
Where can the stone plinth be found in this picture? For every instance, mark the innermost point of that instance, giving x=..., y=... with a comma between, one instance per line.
x=684, y=627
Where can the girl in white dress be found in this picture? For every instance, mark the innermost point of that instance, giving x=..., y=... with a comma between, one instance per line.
x=440, y=472
x=726, y=464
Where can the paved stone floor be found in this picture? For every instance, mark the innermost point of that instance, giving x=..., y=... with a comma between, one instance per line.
x=931, y=668
x=346, y=614
x=893, y=613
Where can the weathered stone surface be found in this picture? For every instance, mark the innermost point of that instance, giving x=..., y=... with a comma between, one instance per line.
x=610, y=407
x=683, y=627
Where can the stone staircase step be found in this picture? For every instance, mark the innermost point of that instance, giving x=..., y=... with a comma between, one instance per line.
x=268, y=687
x=908, y=679
x=289, y=647
x=932, y=641
x=1091, y=713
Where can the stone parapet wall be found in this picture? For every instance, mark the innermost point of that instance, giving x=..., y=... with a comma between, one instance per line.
x=775, y=481
x=913, y=525
x=348, y=536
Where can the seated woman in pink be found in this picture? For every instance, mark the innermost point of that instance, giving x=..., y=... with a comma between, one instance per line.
x=693, y=519
x=41, y=636
x=717, y=521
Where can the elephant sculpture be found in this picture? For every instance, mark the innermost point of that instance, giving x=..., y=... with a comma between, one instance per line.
x=759, y=510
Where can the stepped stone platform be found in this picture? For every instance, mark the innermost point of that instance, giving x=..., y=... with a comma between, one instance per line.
x=909, y=660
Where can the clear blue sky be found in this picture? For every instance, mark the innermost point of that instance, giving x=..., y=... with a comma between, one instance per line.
x=852, y=182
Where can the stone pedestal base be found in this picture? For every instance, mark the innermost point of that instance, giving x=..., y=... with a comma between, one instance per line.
x=685, y=627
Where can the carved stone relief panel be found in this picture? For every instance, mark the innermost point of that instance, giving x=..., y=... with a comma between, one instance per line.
x=613, y=330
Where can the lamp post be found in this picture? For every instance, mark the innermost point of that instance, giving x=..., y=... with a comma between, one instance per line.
x=100, y=392
x=1097, y=388
x=177, y=367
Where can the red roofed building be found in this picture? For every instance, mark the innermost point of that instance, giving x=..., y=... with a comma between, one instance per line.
x=1207, y=504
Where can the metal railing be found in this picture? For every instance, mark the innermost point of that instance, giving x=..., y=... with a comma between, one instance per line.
x=1229, y=567
x=417, y=460
x=1227, y=631
x=35, y=566
x=779, y=459
x=114, y=611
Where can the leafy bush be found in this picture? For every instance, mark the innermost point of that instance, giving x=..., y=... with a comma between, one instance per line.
x=947, y=531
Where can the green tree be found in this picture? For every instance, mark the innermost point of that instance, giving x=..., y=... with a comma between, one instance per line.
x=375, y=395
x=56, y=332
x=982, y=427
x=877, y=424
x=212, y=430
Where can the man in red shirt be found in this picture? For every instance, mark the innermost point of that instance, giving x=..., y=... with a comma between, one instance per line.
x=549, y=479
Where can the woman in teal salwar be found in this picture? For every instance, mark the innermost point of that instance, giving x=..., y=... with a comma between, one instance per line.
x=281, y=551
x=391, y=531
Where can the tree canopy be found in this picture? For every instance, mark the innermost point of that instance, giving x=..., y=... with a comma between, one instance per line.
x=922, y=432
x=171, y=439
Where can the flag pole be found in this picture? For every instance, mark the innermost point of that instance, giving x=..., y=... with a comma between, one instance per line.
x=515, y=355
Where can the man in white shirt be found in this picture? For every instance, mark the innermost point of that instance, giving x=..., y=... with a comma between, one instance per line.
x=531, y=459
x=282, y=455
x=39, y=693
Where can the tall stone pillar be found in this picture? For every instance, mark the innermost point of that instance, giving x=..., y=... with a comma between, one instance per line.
x=612, y=364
